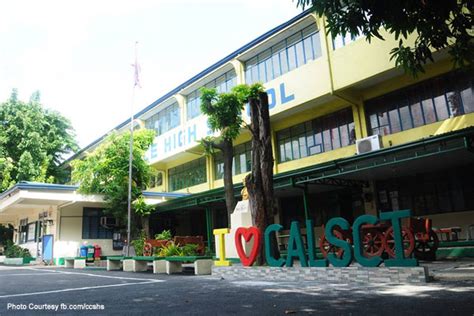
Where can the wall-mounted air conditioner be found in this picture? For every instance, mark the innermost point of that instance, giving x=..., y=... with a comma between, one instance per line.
x=368, y=144
x=109, y=222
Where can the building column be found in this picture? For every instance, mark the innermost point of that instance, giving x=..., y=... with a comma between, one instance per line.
x=359, y=120
x=305, y=202
x=210, y=236
x=274, y=152
x=181, y=100
x=370, y=196
x=239, y=70
x=210, y=171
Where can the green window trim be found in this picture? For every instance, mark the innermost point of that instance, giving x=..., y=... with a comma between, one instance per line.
x=91, y=227
x=187, y=175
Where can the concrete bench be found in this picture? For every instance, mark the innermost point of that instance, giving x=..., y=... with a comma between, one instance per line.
x=115, y=263
x=450, y=233
x=75, y=262
x=140, y=264
x=202, y=264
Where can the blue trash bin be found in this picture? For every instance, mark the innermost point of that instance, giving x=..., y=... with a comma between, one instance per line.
x=83, y=251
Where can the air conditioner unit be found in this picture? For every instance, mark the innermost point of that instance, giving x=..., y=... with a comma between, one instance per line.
x=368, y=144
x=109, y=222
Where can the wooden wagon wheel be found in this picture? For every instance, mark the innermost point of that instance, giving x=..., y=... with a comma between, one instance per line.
x=426, y=245
x=372, y=243
x=326, y=247
x=408, y=242
x=147, y=249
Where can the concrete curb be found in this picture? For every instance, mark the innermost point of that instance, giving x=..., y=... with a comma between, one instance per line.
x=353, y=274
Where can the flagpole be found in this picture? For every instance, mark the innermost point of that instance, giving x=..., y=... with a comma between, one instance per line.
x=130, y=157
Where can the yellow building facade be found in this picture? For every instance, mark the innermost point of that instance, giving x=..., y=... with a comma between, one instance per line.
x=327, y=98
x=351, y=134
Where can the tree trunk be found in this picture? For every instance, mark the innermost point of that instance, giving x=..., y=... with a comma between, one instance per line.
x=266, y=161
x=260, y=182
x=228, y=153
x=146, y=224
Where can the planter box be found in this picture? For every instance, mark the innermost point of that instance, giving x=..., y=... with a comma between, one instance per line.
x=17, y=261
x=28, y=260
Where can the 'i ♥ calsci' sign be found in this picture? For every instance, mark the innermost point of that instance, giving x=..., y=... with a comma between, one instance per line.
x=307, y=257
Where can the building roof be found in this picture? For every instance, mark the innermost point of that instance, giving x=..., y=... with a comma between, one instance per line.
x=200, y=75
x=27, y=185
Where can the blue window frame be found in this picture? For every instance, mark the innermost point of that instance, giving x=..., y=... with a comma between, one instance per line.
x=165, y=120
x=222, y=84
x=316, y=136
x=340, y=40
x=291, y=53
x=242, y=161
x=91, y=228
x=430, y=101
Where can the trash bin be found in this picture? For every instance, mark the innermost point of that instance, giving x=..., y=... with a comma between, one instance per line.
x=83, y=251
x=97, y=252
x=90, y=253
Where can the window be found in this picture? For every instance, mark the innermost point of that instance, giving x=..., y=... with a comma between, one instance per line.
x=241, y=162
x=156, y=179
x=164, y=120
x=222, y=84
x=340, y=40
x=91, y=228
x=187, y=175
x=446, y=190
x=23, y=231
x=427, y=102
x=291, y=53
x=31, y=232
x=316, y=136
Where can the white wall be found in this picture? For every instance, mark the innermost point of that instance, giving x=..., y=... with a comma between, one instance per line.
x=70, y=233
x=459, y=219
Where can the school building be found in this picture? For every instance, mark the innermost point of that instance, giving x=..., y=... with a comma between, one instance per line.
x=351, y=134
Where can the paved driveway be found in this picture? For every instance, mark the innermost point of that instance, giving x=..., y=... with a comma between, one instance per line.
x=44, y=290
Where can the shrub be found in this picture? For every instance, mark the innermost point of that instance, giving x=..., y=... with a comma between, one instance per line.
x=139, y=244
x=15, y=251
x=164, y=235
x=190, y=250
x=170, y=250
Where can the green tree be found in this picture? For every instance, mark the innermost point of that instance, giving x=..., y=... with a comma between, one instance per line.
x=224, y=112
x=105, y=171
x=33, y=142
x=437, y=25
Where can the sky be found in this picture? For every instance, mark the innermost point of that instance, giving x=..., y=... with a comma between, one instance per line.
x=79, y=54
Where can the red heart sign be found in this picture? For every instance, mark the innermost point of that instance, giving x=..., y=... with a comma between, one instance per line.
x=248, y=233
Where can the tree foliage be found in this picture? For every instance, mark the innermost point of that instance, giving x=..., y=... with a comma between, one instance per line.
x=105, y=171
x=224, y=112
x=33, y=142
x=446, y=24
x=6, y=234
